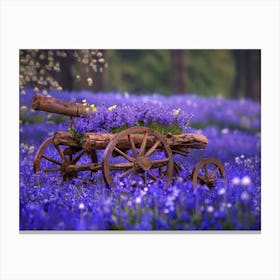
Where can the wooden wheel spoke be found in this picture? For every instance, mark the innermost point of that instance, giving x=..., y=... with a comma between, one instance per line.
x=206, y=170
x=52, y=169
x=125, y=173
x=132, y=145
x=121, y=166
x=177, y=168
x=132, y=174
x=151, y=175
x=208, y=176
x=93, y=156
x=152, y=149
x=144, y=178
x=76, y=159
x=203, y=179
x=60, y=152
x=124, y=154
x=143, y=144
x=214, y=172
x=159, y=162
x=159, y=171
x=51, y=159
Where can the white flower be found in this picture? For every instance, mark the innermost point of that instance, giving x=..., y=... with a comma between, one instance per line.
x=246, y=181
x=222, y=191
x=23, y=108
x=225, y=131
x=165, y=210
x=238, y=160
x=235, y=181
x=210, y=209
x=81, y=206
x=138, y=200
x=89, y=81
x=244, y=196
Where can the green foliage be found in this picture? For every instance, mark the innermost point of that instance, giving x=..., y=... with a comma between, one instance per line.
x=139, y=71
x=209, y=72
x=162, y=129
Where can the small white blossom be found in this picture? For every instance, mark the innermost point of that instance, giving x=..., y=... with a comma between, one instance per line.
x=222, y=191
x=23, y=108
x=210, y=209
x=165, y=210
x=244, y=196
x=81, y=206
x=246, y=181
x=235, y=181
x=225, y=131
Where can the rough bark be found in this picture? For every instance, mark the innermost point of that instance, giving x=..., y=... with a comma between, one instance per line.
x=57, y=106
x=98, y=141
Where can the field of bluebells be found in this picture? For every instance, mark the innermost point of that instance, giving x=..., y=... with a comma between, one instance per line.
x=86, y=203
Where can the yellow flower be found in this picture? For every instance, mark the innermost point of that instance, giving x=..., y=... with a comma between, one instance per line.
x=87, y=109
x=31, y=149
x=93, y=108
x=84, y=101
x=112, y=107
x=176, y=111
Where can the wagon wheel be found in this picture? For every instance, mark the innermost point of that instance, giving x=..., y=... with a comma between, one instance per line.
x=52, y=158
x=142, y=158
x=208, y=171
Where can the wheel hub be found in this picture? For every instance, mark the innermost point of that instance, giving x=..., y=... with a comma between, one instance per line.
x=142, y=164
x=65, y=171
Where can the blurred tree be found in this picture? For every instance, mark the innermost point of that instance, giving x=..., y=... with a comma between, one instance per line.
x=210, y=72
x=139, y=71
x=207, y=72
x=247, y=81
x=179, y=71
x=234, y=73
x=41, y=69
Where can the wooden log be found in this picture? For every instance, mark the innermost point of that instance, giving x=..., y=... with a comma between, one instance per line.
x=66, y=139
x=98, y=141
x=189, y=140
x=57, y=106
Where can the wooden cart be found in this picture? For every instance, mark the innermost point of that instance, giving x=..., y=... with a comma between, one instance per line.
x=136, y=151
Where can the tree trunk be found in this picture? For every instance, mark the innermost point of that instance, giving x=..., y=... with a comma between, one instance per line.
x=179, y=71
x=249, y=85
x=247, y=82
x=236, y=91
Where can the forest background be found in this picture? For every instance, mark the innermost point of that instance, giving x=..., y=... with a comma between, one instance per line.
x=228, y=73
